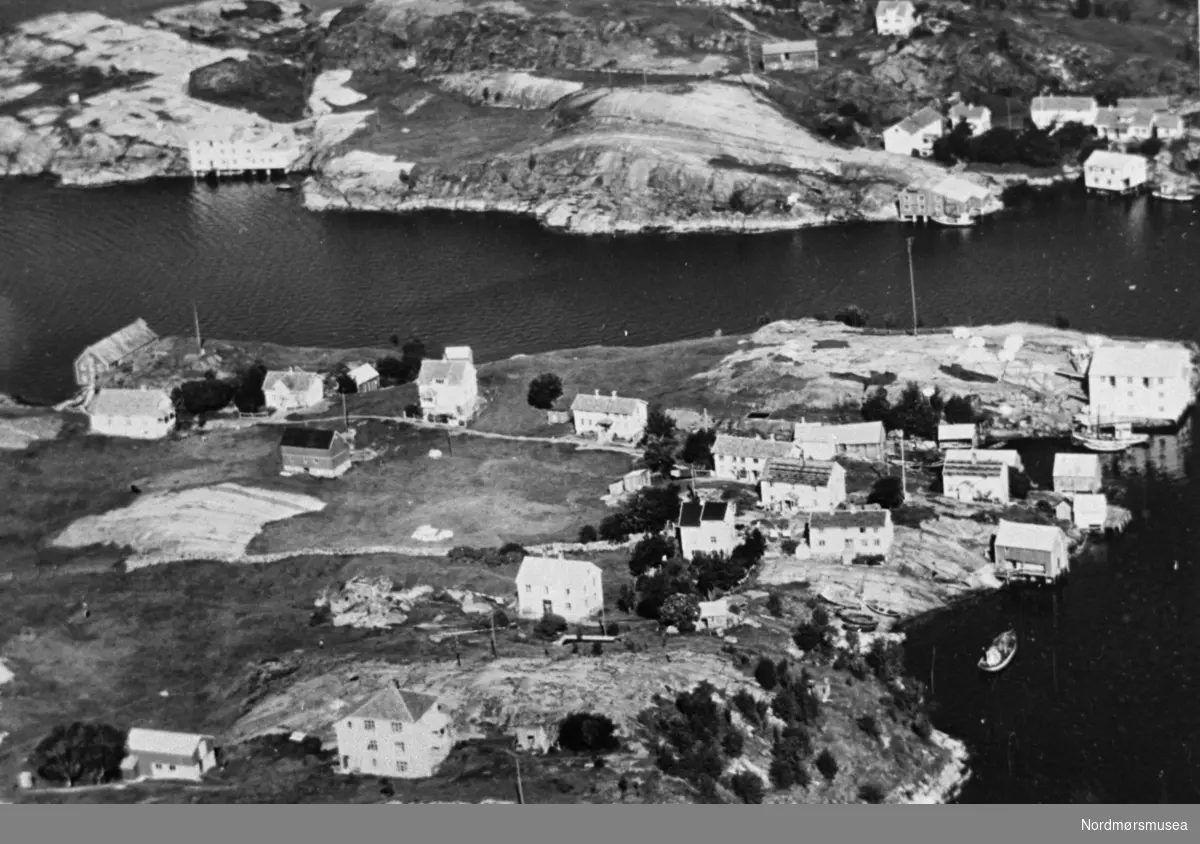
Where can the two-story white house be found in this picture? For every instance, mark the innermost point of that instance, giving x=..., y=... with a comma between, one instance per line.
x=610, y=417
x=572, y=589
x=1076, y=473
x=293, y=389
x=167, y=755
x=979, y=118
x=1115, y=172
x=395, y=733
x=789, y=484
x=896, y=17
x=449, y=388
x=915, y=134
x=854, y=440
x=1146, y=382
x=744, y=458
x=1046, y=112
x=707, y=528
x=856, y=532
x=136, y=414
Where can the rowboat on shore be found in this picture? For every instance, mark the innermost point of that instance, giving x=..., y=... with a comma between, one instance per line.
x=285, y=186
x=1000, y=654
x=859, y=620
x=1173, y=193
x=880, y=609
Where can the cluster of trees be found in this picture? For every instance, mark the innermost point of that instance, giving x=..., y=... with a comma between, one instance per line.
x=1030, y=146
x=918, y=414
x=696, y=737
x=83, y=752
x=392, y=371
x=668, y=588
x=588, y=732
x=544, y=391
x=796, y=704
x=211, y=394
x=510, y=553
x=645, y=512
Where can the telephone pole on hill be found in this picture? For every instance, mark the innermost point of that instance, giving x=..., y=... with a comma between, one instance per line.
x=196, y=318
x=912, y=284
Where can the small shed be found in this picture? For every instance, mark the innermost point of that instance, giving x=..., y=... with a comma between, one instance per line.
x=790, y=55
x=532, y=738
x=714, y=616
x=958, y=436
x=1074, y=473
x=1089, y=511
x=313, y=451
x=1030, y=552
x=365, y=378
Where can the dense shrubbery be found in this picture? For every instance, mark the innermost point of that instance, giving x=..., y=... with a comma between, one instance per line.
x=816, y=635
x=887, y=492
x=647, y=511
x=658, y=579
x=545, y=390
x=916, y=414
x=509, y=553
x=697, y=448
x=551, y=626
x=659, y=441
x=79, y=753
x=748, y=787
x=697, y=736
x=588, y=732
x=1001, y=145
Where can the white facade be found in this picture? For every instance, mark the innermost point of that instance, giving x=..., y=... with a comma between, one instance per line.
x=1089, y=510
x=137, y=414
x=789, y=485
x=706, y=528
x=744, y=458
x=957, y=435
x=396, y=733
x=1075, y=473
x=609, y=416
x=915, y=134
x=979, y=118
x=851, y=532
x=1046, y=112
x=365, y=378
x=1115, y=171
x=449, y=388
x=1007, y=456
x=572, y=589
x=167, y=755
x=714, y=616
x=896, y=17
x=976, y=481
x=1139, y=383
x=233, y=154
x=293, y=389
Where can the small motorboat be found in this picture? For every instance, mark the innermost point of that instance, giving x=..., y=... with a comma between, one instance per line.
x=285, y=186
x=880, y=609
x=859, y=620
x=1174, y=193
x=997, y=657
x=1107, y=438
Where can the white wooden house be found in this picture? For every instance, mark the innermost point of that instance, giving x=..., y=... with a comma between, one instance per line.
x=856, y=532
x=572, y=589
x=715, y=616
x=293, y=389
x=1075, y=473
x=113, y=350
x=365, y=378
x=1046, y=112
x=964, y=435
x=240, y=150
x=1030, y=552
x=790, y=55
x=137, y=414
x=630, y=482
x=532, y=738
x=744, y=458
x=609, y=417
x=979, y=118
x=788, y=485
x=397, y=732
x=707, y=527
x=1115, y=172
x=1089, y=510
x=855, y=440
x=1169, y=127
x=976, y=480
x=915, y=134
x=448, y=389
x=1146, y=382
x=896, y=17
x=167, y=755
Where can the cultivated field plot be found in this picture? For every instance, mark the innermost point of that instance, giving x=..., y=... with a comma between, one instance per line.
x=18, y=432
x=485, y=491
x=214, y=522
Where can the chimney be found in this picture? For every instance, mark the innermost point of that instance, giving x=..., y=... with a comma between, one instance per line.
x=597, y=392
x=614, y=394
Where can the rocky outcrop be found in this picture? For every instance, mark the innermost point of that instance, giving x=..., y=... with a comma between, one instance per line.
x=272, y=87
x=370, y=603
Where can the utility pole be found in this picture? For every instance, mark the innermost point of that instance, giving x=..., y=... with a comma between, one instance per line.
x=345, y=413
x=493, y=625
x=449, y=445
x=903, y=469
x=196, y=318
x=912, y=284
x=520, y=788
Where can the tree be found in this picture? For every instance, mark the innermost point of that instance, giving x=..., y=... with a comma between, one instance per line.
x=588, y=732
x=827, y=765
x=413, y=350
x=248, y=395
x=680, y=611
x=1019, y=484
x=1002, y=41
x=1124, y=11
x=748, y=786
x=787, y=759
x=394, y=370
x=877, y=407
x=597, y=649
x=1082, y=9
x=545, y=390
x=887, y=493
x=588, y=533
x=550, y=626
x=649, y=553
x=613, y=528
x=775, y=605
x=659, y=441
x=650, y=508
x=659, y=423
x=697, y=448
x=853, y=316
x=960, y=410
x=955, y=145
x=346, y=384
x=204, y=396
x=81, y=752
x=765, y=674
x=914, y=414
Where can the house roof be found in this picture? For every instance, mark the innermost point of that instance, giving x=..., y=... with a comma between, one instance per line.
x=392, y=703
x=120, y=343
x=316, y=439
x=1076, y=465
x=130, y=403
x=1149, y=103
x=611, y=405
x=849, y=519
x=886, y=7
x=1032, y=537
x=1141, y=119
x=1139, y=361
x=786, y=470
x=775, y=48
x=965, y=431
x=708, y=609
x=960, y=189
x=454, y=372
x=919, y=121
x=728, y=446
x=1062, y=104
x=966, y=112
x=1173, y=122
x=459, y=353
x=363, y=373
x=983, y=455
x=166, y=742
x=973, y=468
x=1090, y=502
x=294, y=380
x=1113, y=160
x=1112, y=117
x=543, y=568
x=852, y=433
x=692, y=514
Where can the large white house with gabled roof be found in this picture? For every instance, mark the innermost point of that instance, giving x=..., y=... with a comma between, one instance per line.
x=915, y=134
x=1115, y=172
x=744, y=458
x=1046, y=112
x=448, y=388
x=395, y=733
x=573, y=589
x=610, y=417
x=167, y=755
x=137, y=414
x=1135, y=383
x=293, y=389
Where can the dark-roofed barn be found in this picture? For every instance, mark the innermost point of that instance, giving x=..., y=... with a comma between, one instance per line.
x=313, y=451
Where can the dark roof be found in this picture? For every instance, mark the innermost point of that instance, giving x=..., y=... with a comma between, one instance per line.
x=690, y=514
x=312, y=438
x=814, y=473
x=849, y=519
x=392, y=703
x=982, y=469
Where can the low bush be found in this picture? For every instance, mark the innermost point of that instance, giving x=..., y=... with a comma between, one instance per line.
x=747, y=786
x=827, y=764
x=871, y=792
x=869, y=725
x=588, y=533
x=588, y=732
x=765, y=674
x=551, y=626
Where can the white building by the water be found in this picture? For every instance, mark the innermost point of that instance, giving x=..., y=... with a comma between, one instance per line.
x=1134, y=383
x=239, y=151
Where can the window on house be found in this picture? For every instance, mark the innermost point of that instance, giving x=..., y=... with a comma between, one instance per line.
x=1160, y=382
x=397, y=726
x=568, y=606
x=876, y=543
x=399, y=747
x=368, y=725
x=568, y=591
x=374, y=763
x=402, y=767
x=1145, y=382
x=545, y=590
x=528, y=587
x=1112, y=382
x=821, y=543
x=372, y=745
x=172, y=767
